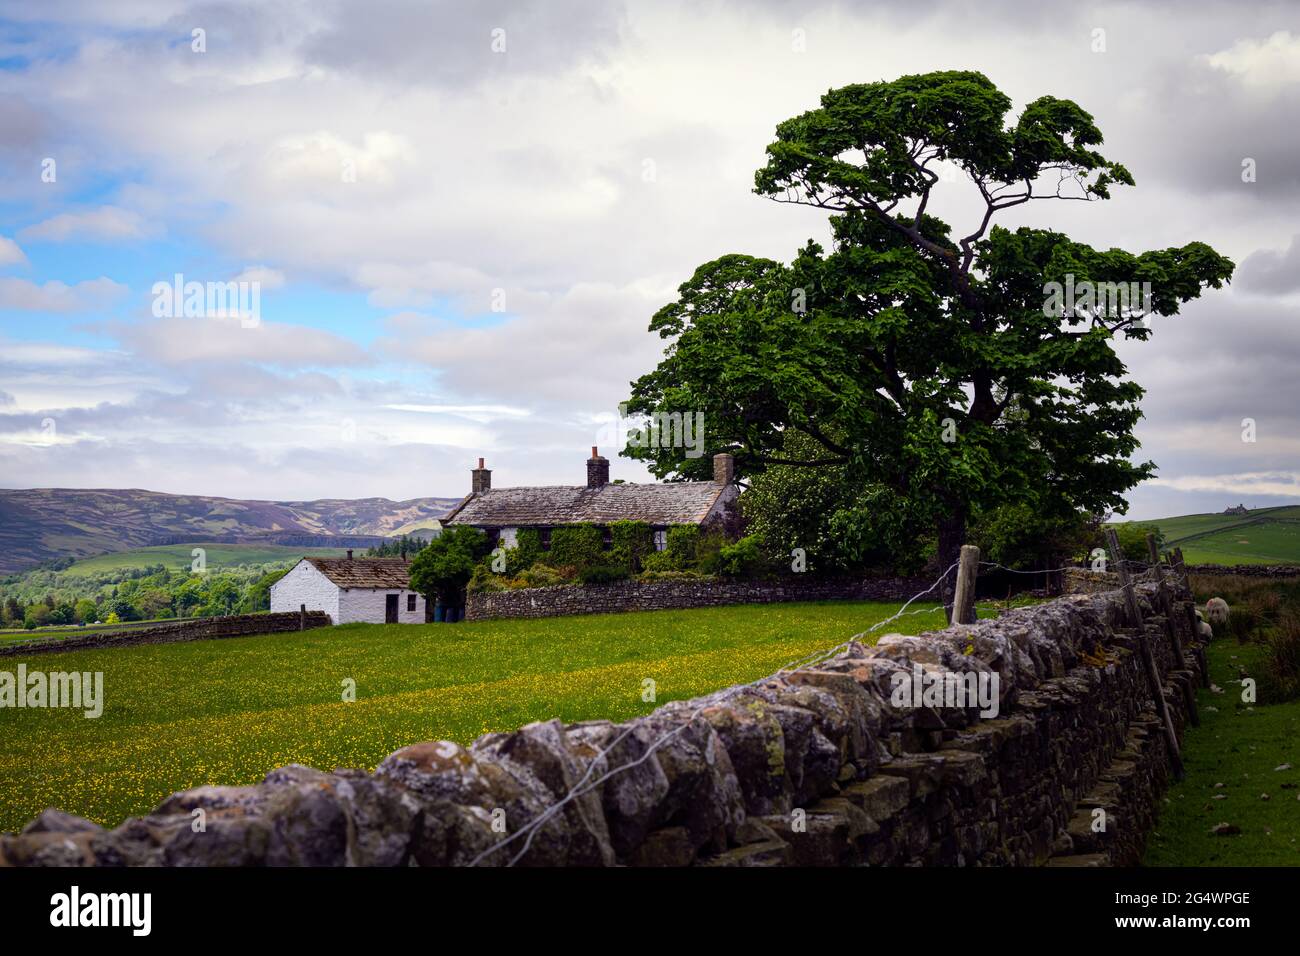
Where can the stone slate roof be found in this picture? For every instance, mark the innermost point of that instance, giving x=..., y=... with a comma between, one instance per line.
x=384, y=573
x=679, y=502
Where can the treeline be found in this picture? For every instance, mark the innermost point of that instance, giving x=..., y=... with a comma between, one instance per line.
x=403, y=547
x=48, y=597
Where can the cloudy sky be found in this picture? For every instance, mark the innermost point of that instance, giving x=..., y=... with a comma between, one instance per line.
x=461, y=217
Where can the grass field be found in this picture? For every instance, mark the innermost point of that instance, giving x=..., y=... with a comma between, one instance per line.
x=178, y=557
x=21, y=635
x=1238, y=746
x=1262, y=536
x=227, y=711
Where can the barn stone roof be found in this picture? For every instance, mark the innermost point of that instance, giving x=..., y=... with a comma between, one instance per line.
x=384, y=573
x=677, y=502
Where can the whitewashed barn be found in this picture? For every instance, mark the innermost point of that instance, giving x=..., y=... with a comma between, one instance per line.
x=371, y=590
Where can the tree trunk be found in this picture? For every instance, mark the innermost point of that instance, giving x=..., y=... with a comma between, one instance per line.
x=952, y=535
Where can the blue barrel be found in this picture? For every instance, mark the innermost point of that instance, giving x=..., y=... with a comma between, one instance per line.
x=437, y=613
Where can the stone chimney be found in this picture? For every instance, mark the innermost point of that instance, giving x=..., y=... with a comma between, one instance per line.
x=597, y=469
x=480, y=478
x=724, y=469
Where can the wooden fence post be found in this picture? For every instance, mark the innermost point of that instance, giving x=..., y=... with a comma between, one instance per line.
x=1166, y=599
x=963, y=601
x=1154, y=683
x=1171, y=628
x=1175, y=563
x=302, y=617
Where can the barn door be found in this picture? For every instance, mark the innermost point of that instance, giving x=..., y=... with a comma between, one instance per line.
x=390, y=609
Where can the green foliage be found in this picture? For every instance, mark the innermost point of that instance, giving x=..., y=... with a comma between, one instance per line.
x=603, y=574
x=443, y=569
x=1018, y=535
x=742, y=559
x=527, y=550
x=399, y=547
x=1132, y=540
x=658, y=562
x=914, y=361
x=842, y=526
x=631, y=542
x=577, y=546
x=483, y=579
x=708, y=551
x=62, y=614
x=258, y=595
x=683, y=546
x=1240, y=745
x=1281, y=678
x=141, y=593
x=649, y=576
x=122, y=609
x=542, y=576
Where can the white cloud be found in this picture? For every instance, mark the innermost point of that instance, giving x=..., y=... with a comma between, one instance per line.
x=176, y=341
x=54, y=296
x=10, y=254
x=105, y=223
x=1285, y=483
x=266, y=277
x=1261, y=64
x=527, y=172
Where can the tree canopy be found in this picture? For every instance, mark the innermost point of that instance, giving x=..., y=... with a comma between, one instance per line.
x=929, y=361
x=444, y=566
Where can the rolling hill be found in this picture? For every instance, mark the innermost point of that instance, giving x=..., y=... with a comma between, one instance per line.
x=41, y=524
x=1260, y=536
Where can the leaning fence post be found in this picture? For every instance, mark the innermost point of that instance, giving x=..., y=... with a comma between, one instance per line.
x=1171, y=628
x=963, y=600
x=1144, y=649
x=1198, y=645
x=1166, y=600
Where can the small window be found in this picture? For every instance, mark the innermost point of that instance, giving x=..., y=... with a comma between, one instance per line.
x=607, y=537
x=545, y=535
x=410, y=602
x=661, y=539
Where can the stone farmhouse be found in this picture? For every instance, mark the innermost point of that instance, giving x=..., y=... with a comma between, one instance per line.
x=378, y=590
x=371, y=590
x=502, y=512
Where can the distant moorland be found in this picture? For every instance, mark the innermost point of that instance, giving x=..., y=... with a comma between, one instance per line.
x=46, y=524
x=1260, y=536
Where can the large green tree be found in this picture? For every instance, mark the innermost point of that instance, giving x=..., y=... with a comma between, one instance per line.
x=444, y=566
x=928, y=360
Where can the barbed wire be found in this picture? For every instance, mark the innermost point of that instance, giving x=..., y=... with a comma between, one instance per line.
x=530, y=829
x=585, y=785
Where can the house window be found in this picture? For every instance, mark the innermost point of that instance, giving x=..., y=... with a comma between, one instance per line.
x=545, y=535
x=661, y=538
x=410, y=602
x=607, y=537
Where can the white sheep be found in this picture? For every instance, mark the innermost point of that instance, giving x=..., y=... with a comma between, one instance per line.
x=1216, y=609
x=1205, y=630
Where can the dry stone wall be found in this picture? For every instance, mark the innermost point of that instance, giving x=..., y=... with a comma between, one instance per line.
x=667, y=595
x=817, y=766
x=191, y=629
x=1247, y=570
